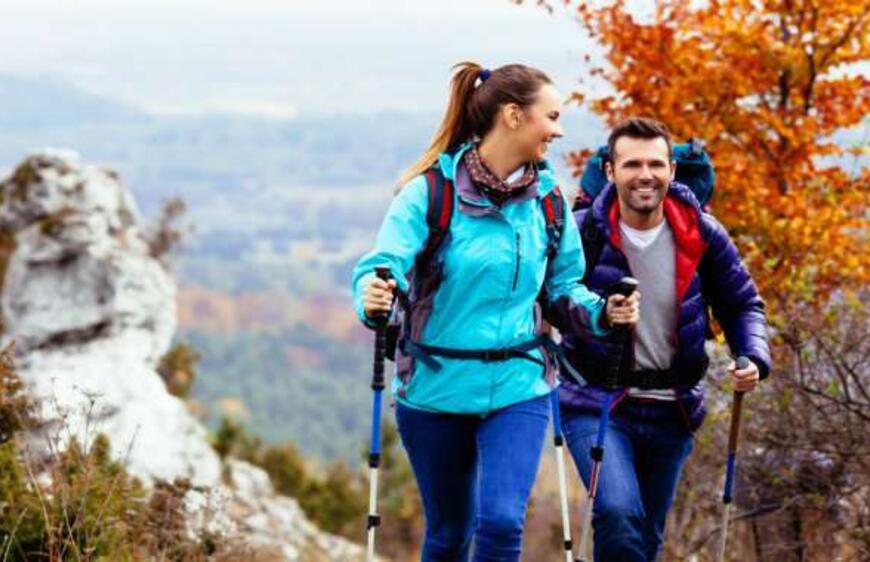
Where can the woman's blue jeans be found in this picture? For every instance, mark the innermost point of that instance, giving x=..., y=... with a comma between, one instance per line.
x=645, y=447
x=475, y=476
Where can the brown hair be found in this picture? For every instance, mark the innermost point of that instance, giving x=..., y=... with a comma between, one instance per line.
x=472, y=107
x=638, y=128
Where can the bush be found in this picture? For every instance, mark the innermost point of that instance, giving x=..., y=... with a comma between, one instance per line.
x=178, y=369
x=80, y=505
x=166, y=235
x=338, y=501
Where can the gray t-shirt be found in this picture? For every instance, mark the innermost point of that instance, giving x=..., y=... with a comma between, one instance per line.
x=651, y=256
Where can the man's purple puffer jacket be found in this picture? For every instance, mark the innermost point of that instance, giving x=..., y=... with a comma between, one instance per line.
x=709, y=272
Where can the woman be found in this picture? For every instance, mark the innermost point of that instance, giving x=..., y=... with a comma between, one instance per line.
x=472, y=396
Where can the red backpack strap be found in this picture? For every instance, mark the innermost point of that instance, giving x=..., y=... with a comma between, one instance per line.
x=553, y=205
x=439, y=212
x=426, y=274
x=554, y=214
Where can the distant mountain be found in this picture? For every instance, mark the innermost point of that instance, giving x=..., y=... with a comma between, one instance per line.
x=43, y=103
x=225, y=152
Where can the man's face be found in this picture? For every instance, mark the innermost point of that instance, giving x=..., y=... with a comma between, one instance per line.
x=642, y=172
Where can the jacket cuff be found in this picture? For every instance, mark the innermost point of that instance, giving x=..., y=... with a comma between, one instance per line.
x=763, y=367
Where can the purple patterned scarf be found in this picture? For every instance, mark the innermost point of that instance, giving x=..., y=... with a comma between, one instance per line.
x=496, y=189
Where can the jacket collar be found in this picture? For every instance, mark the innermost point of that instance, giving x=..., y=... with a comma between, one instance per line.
x=471, y=199
x=605, y=209
x=683, y=214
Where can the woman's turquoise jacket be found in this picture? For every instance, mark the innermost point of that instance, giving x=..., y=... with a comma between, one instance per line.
x=494, y=266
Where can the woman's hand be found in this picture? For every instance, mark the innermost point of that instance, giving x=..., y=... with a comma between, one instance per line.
x=622, y=310
x=378, y=296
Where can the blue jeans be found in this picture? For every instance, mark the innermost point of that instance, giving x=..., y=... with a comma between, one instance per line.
x=645, y=447
x=475, y=475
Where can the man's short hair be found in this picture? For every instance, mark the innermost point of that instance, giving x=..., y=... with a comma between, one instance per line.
x=638, y=128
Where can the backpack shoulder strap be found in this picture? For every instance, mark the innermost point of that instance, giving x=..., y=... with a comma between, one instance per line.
x=554, y=215
x=439, y=211
x=425, y=276
x=553, y=205
x=593, y=242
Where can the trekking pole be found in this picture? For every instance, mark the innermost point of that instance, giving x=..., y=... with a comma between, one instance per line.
x=559, y=442
x=374, y=520
x=597, y=454
x=733, y=435
x=626, y=286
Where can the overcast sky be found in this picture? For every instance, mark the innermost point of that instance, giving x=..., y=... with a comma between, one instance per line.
x=280, y=57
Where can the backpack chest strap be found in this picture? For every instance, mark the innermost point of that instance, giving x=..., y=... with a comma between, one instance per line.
x=427, y=353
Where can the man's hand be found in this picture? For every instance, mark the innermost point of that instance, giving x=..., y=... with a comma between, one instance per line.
x=378, y=296
x=622, y=310
x=745, y=380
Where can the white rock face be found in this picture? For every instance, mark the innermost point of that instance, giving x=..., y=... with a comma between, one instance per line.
x=91, y=312
x=271, y=520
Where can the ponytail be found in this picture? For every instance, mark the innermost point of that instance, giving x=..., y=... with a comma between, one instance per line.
x=472, y=107
x=455, y=127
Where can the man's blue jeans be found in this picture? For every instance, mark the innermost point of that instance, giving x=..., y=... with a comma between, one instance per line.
x=475, y=475
x=645, y=447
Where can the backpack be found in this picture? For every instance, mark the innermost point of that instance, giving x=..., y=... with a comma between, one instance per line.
x=694, y=169
x=425, y=275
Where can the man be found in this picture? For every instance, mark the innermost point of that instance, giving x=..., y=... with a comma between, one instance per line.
x=654, y=230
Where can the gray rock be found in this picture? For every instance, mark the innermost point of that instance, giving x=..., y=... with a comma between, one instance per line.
x=273, y=520
x=91, y=312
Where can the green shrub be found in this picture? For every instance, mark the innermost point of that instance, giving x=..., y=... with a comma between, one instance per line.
x=80, y=505
x=178, y=369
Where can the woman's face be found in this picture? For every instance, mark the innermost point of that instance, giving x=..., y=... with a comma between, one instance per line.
x=539, y=124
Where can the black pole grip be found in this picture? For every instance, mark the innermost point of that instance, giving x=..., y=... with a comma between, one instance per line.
x=619, y=362
x=380, y=338
x=625, y=287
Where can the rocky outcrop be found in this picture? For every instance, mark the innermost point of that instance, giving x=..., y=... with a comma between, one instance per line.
x=272, y=520
x=91, y=312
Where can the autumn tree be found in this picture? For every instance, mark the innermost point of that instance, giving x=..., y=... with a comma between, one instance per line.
x=769, y=85
x=776, y=88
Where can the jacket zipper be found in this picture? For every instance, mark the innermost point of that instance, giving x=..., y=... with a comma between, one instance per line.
x=517, y=268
